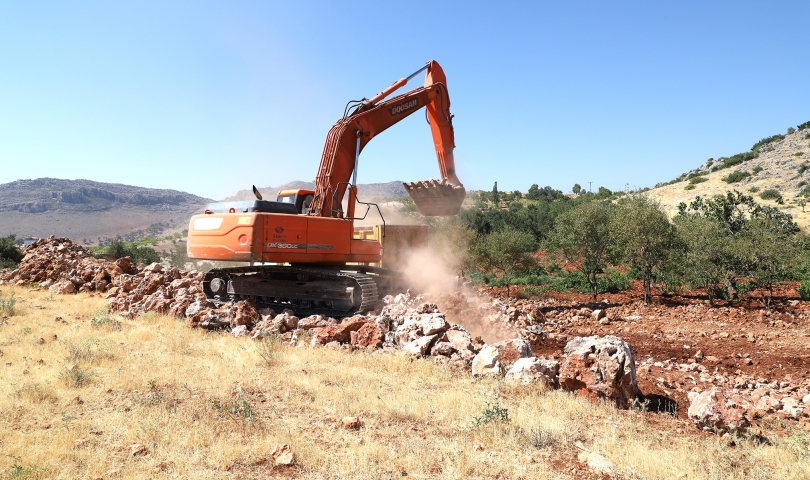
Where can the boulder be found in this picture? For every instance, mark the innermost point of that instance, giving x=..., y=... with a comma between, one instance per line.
x=531, y=369
x=600, y=367
x=486, y=361
x=419, y=346
x=340, y=332
x=314, y=321
x=433, y=324
x=63, y=288
x=444, y=349
x=459, y=339
x=282, y=455
x=511, y=351
x=370, y=336
x=711, y=410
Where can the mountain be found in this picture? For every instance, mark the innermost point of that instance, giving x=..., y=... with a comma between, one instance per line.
x=87, y=211
x=367, y=192
x=776, y=171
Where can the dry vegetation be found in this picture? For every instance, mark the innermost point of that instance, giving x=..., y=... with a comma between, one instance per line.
x=78, y=393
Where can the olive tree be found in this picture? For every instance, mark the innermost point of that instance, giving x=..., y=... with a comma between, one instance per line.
x=705, y=261
x=508, y=252
x=644, y=237
x=583, y=236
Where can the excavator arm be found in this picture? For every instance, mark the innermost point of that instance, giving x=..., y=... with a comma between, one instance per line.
x=349, y=136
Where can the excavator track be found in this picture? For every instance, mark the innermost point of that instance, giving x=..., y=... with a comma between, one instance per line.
x=304, y=290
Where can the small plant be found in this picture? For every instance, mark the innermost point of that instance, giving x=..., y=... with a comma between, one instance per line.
x=89, y=350
x=770, y=194
x=737, y=176
x=492, y=412
x=101, y=318
x=19, y=472
x=7, y=305
x=696, y=180
x=756, y=170
x=803, y=168
x=76, y=377
x=804, y=289
x=238, y=408
x=542, y=439
x=267, y=348
x=691, y=186
x=798, y=154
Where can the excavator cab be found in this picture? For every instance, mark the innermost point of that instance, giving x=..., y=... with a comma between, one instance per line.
x=302, y=199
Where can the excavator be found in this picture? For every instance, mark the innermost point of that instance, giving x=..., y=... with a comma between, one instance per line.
x=302, y=250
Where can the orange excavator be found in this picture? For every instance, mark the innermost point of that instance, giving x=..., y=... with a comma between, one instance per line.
x=301, y=248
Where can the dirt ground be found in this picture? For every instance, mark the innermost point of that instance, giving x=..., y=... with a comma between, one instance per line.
x=683, y=344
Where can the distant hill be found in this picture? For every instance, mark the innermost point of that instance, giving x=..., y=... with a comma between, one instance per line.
x=778, y=165
x=367, y=192
x=87, y=210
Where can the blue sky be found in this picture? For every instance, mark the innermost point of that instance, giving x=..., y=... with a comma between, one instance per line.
x=211, y=97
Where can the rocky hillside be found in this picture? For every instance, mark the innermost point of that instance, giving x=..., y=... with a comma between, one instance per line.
x=367, y=192
x=88, y=210
x=776, y=171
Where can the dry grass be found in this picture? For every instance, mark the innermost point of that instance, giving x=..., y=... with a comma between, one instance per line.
x=207, y=405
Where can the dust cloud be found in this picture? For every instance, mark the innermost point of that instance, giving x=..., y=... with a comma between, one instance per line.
x=435, y=272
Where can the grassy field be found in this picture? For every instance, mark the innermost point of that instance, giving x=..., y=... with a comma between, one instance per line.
x=79, y=392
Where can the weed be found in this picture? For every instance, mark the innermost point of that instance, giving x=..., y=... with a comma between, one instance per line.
x=76, y=377
x=799, y=443
x=267, y=348
x=101, y=318
x=36, y=393
x=492, y=412
x=541, y=439
x=88, y=350
x=804, y=289
x=7, y=305
x=237, y=408
x=19, y=472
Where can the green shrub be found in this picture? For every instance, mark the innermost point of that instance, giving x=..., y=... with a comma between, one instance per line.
x=753, y=189
x=101, y=318
x=10, y=254
x=7, y=305
x=691, y=186
x=803, y=168
x=756, y=170
x=803, y=126
x=790, y=130
x=492, y=412
x=798, y=154
x=770, y=194
x=698, y=179
x=766, y=141
x=804, y=289
x=736, y=176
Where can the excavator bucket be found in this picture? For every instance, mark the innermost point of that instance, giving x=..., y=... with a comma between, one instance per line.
x=434, y=198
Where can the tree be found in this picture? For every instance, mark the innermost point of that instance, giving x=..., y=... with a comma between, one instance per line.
x=534, y=192
x=766, y=252
x=644, y=237
x=576, y=189
x=496, y=198
x=178, y=257
x=583, y=237
x=733, y=212
x=705, y=260
x=508, y=252
x=10, y=254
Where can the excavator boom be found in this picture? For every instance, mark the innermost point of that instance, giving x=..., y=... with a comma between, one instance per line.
x=349, y=135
